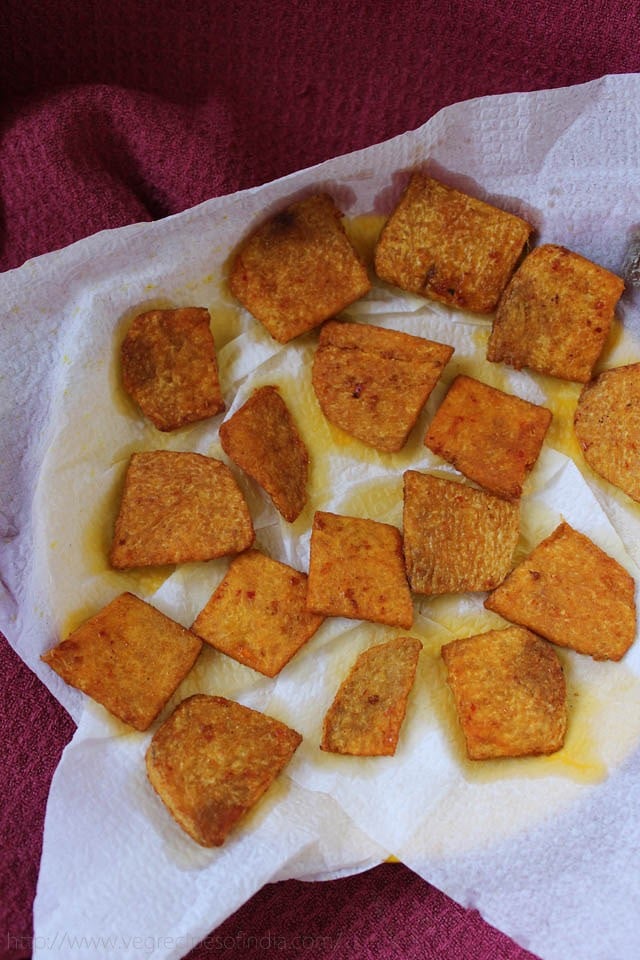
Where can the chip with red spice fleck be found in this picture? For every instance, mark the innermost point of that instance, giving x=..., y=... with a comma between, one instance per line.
x=509, y=692
x=493, y=437
x=212, y=761
x=369, y=708
x=356, y=570
x=448, y=246
x=555, y=314
x=298, y=269
x=258, y=614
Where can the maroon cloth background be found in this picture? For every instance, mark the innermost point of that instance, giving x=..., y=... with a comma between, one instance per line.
x=128, y=111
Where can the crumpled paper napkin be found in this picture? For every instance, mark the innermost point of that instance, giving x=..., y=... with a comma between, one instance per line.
x=545, y=848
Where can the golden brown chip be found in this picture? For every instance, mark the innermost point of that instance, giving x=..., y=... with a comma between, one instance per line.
x=262, y=438
x=456, y=538
x=129, y=657
x=571, y=592
x=176, y=508
x=492, y=437
x=555, y=314
x=607, y=425
x=258, y=614
x=211, y=762
x=298, y=269
x=169, y=366
x=509, y=692
x=367, y=713
x=448, y=246
x=373, y=382
x=356, y=570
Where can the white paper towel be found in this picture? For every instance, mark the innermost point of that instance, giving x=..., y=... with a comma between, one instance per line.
x=509, y=838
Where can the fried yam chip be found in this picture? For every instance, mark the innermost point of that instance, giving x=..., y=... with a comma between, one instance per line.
x=176, y=508
x=373, y=382
x=356, y=570
x=298, y=269
x=169, y=367
x=555, y=314
x=211, y=762
x=492, y=437
x=258, y=614
x=262, y=438
x=456, y=538
x=574, y=594
x=510, y=693
x=448, y=246
x=607, y=425
x=367, y=713
x=129, y=657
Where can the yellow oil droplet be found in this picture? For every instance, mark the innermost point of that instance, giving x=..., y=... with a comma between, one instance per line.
x=363, y=231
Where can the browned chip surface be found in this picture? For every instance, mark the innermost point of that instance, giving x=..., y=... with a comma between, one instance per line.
x=176, y=508
x=456, y=538
x=212, y=760
x=607, y=425
x=555, y=314
x=169, y=366
x=298, y=269
x=492, y=437
x=571, y=592
x=509, y=692
x=448, y=246
x=368, y=711
x=258, y=614
x=373, y=382
x=356, y=570
x=129, y=657
x=262, y=438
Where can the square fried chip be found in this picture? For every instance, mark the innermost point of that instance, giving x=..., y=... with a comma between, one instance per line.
x=356, y=570
x=258, y=614
x=372, y=382
x=607, y=426
x=555, y=314
x=448, y=246
x=457, y=539
x=368, y=711
x=169, y=366
x=509, y=692
x=574, y=594
x=176, y=508
x=211, y=762
x=492, y=437
x=262, y=438
x=298, y=269
x=129, y=657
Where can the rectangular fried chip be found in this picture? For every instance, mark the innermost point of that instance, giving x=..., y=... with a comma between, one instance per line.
x=372, y=382
x=456, y=538
x=211, y=762
x=607, y=426
x=555, y=314
x=169, y=366
x=510, y=693
x=574, y=594
x=298, y=269
x=262, y=438
x=367, y=713
x=356, y=570
x=176, y=508
x=492, y=437
x=129, y=657
x=448, y=246
x=258, y=614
